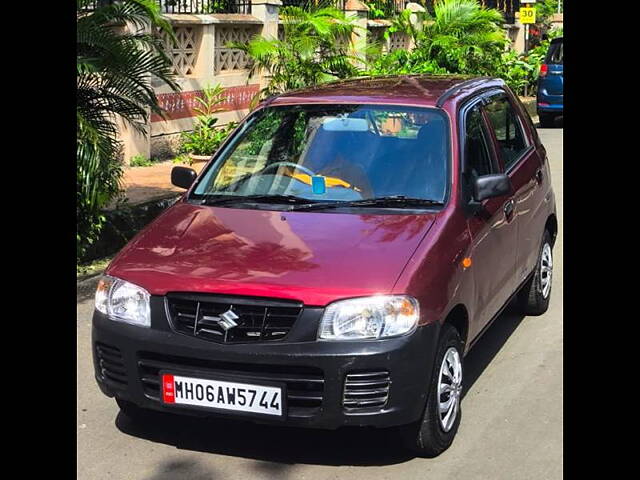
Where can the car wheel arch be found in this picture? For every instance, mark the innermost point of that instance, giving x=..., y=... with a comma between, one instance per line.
x=552, y=227
x=458, y=318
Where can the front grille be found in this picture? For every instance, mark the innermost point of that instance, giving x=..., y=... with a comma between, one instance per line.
x=366, y=390
x=305, y=385
x=110, y=364
x=251, y=320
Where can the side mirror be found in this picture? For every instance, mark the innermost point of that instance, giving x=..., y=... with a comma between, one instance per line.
x=490, y=186
x=183, y=177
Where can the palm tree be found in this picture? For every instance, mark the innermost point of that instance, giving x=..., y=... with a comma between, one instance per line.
x=314, y=49
x=114, y=68
x=463, y=36
x=460, y=37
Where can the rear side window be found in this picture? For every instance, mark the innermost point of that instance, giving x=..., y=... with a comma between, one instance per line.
x=555, y=54
x=507, y=129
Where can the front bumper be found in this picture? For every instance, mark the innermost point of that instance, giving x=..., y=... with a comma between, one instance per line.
x=128, y=360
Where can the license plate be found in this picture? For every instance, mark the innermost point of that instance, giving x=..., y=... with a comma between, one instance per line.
x=222, y=395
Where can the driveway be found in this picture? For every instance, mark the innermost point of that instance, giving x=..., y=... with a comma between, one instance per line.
x=511, y=426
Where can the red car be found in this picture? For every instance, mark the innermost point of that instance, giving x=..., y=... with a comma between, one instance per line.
x=335, y=260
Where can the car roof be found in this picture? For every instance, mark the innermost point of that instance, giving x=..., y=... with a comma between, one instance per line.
x=413, y=90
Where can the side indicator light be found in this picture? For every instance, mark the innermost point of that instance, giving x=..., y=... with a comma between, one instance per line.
x=466, y=262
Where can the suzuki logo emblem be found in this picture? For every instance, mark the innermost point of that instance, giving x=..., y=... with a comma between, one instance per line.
x=227, y=320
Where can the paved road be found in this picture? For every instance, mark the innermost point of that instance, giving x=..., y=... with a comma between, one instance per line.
x=511, y=426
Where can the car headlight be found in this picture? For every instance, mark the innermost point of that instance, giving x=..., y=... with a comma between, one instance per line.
x=369, y=318
x=123, y=301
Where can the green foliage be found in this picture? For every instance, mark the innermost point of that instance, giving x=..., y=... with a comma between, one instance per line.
x=264, y=129
x=460, y=37
x=206, y=137
x=140, y=161
x=114, y=66
x=518, y=71
x=314, y=50
x=183, y=159
x=555, y=33
x=375, y=12
x=402, y=62
x=545, y=10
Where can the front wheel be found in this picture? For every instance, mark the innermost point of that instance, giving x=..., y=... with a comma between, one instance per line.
x=441, y=418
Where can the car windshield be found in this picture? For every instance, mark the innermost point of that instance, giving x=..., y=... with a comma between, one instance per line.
x=333, y=153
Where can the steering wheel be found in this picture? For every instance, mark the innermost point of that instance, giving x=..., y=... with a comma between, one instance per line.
x=288, y=164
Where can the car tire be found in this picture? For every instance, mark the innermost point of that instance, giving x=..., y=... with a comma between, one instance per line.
x=433, y=434
x=547, y=120
x=131, y=410
x=535, y=294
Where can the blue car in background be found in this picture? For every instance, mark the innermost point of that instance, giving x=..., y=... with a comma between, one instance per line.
x=550, y=84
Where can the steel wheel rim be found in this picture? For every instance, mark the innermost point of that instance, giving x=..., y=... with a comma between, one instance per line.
x=546, y=270
x=449, y=388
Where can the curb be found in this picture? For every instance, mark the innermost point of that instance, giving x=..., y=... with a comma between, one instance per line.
x=86, y=288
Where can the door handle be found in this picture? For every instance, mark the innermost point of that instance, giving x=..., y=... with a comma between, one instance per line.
x=539, y=175
x=508, y=209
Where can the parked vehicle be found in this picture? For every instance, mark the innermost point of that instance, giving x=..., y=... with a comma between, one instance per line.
x=551, y=84
x=335, y=261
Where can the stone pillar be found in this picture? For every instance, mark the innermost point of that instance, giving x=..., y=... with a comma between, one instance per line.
x=357, y=10
x=205, y=63
x=267, y=11
x=416, y=19
x=518, y=44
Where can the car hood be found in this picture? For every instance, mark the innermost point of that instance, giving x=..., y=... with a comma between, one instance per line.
x=311, y=257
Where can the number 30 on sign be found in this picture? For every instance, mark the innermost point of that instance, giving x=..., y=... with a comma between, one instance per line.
x=527, y=15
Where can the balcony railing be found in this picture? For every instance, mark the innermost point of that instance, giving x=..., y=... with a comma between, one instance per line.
x=189, y=6
x=390, y=7
x=507, y=7
x=307, y=4
x=205, y=6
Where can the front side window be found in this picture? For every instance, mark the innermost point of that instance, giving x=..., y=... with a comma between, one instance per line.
x=334, y=153
x=476, y=153
x=478, y=160
x=508, y=131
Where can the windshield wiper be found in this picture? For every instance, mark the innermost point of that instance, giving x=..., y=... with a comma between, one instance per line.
x=390, y=201
x=220, y=199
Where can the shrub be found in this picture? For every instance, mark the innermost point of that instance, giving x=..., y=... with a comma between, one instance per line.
x=206, y=137
x=460, y=37
x=140, y=161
